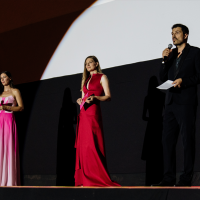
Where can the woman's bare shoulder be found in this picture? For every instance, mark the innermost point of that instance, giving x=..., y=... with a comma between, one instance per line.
x=104, y=78
x=15, y=91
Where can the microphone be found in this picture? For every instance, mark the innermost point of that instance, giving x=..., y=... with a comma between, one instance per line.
x=169, y=47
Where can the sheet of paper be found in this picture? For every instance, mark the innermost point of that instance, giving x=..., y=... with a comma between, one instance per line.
x=166, y=85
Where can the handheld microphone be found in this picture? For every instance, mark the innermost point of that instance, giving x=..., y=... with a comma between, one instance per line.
x=169, y=47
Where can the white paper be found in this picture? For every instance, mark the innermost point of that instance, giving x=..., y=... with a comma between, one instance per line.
x=166, y=85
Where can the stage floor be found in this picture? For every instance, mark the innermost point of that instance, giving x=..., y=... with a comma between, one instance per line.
x=99, y=193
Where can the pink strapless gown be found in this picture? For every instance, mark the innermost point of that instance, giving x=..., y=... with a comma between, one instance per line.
x=9, y=154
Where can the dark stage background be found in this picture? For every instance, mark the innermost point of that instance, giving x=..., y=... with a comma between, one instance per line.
x=132, y=125
x=30, y=32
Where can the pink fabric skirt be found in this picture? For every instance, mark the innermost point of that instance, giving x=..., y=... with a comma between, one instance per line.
x=9, y=154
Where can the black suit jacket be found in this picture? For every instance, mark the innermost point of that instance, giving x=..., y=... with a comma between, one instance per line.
x=188, y=70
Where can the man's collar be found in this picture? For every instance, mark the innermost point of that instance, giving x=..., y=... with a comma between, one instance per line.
x=186, y=46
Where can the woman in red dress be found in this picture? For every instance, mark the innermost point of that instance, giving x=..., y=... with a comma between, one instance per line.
x=90, y=168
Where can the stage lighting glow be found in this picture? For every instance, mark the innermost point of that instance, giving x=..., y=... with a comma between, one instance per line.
x=122, y=32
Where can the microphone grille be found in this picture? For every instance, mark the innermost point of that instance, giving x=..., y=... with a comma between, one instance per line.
x=170, y=46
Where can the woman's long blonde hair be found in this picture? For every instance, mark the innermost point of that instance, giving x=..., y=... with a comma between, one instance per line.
x=86, y=73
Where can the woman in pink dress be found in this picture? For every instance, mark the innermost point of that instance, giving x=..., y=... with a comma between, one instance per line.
x=9, y=154
x=90, y=168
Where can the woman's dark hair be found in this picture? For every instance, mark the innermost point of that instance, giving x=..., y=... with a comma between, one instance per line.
x=184, y=28
x=11, y=81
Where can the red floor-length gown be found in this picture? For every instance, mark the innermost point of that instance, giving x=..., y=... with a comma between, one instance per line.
x=90, y=168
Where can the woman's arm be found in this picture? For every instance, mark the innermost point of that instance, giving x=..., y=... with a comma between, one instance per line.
x=105, y=84
x=79, y=100
x=83, y=94
x=20, y=104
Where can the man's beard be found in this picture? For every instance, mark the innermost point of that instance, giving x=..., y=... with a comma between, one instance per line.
x=178, y=43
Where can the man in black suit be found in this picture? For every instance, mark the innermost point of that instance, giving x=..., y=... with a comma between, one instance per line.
x=182, y=65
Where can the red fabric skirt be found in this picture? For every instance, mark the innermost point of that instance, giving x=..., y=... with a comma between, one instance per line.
x=90, y=168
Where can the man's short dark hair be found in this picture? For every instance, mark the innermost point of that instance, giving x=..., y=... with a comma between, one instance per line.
x=184, y=28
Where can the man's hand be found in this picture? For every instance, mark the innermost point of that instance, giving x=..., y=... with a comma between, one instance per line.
x=166, y=52
x=177, y=82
